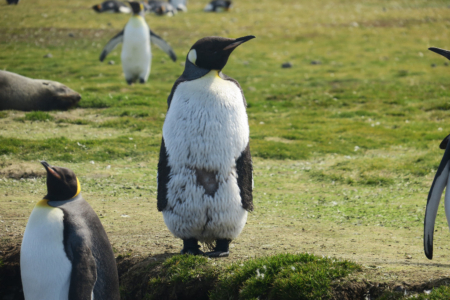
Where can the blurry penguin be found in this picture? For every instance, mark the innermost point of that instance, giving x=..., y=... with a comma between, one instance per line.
x=218, y=6
x=205, y=167
x=162, y=8
x=112, y=7
x=441, y=181
x=65, y=252
x=136, y=52
x=180, y=5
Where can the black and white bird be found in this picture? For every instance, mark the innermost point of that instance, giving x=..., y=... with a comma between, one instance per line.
x=218, y=6
x=65, y=252
x=180, y=5
x=136, y=51
x=162, y=8
x=205, y=167
x=441, y=181
x=112, y=6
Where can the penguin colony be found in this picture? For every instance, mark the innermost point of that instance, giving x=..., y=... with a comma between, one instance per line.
x=204, y=171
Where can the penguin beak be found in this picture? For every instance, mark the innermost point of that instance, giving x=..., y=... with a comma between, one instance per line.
x=50, y=170
x=238, y=41
x=443, y=52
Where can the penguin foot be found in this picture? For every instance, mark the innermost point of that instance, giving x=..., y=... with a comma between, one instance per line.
x=130, y=82
x=141, y=80
x=191, y=246
x=221, y=249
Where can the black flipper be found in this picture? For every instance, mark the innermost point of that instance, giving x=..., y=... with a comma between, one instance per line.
x=443, y=52
x=163, y=177
x=444, y=142
x=434, y=197
x=116, y=40
x=89, y=250
x=162, y=44
x=84, y=273
x=244, y=171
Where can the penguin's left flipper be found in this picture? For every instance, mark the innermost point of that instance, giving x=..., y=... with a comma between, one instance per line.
x=84, y=272
x=116, y=40
x=444, y=142
x=158, y=41
x=163, y=177
x=434, y=196
x=443, y=52
x=245, y=178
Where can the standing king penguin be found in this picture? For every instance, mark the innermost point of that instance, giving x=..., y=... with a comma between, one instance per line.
x=205, y=167
x=136, y=52
x=65, y=253
x=441, y=181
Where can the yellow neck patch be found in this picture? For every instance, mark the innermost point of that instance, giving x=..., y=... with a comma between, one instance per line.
x=78, y=188
x=43, y=203
x=213, y=73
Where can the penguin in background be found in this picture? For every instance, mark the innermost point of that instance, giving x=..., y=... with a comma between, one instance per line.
x=441, y=181
x=162, y=8
x=112, y=6
x=218, y=6
x=136, y=52
x=180, y=5
x=205, y=167
x=65, y=252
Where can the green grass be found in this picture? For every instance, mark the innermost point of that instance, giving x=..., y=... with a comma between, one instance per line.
x=285, y=276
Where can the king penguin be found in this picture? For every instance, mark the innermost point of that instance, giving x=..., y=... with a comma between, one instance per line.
x=441, y=181
x=136, y=52
x=65, y=252
x=205, y=167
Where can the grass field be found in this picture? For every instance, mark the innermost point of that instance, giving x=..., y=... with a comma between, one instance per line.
x=345, y=143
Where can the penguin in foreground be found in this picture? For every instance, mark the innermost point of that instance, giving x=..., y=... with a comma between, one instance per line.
x=65, y=252
x=136, y=53
x=112, y=7
x=205, y=167
x=441, y=181
x=218, y=6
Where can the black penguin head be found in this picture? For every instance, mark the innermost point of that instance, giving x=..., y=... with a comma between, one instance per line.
x=137, y=7
x=62, y=184
x=97, y=8
x=443, y=52
x=212, y=52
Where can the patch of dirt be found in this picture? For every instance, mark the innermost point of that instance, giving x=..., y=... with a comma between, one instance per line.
x=10, y=281
x=21, y=170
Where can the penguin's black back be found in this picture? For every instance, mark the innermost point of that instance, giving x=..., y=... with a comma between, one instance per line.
x=84, y=235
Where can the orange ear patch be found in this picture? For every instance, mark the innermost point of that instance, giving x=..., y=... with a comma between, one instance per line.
x=50, y=170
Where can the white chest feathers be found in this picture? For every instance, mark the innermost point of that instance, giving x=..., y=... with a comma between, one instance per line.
x=136, y=52
x=44, y=265
x=206, y=125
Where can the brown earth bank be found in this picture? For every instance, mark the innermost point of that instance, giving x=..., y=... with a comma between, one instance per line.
x=135, y=273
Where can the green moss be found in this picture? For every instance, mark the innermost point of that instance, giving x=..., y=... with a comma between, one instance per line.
x=283, y=276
